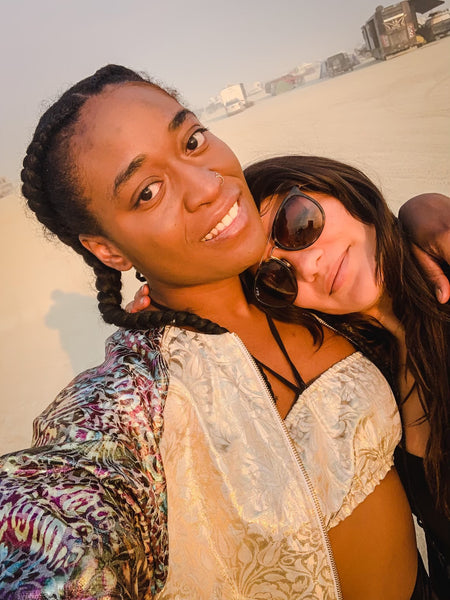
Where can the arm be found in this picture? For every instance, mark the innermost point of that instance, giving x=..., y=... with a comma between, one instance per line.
x=426, y=220
x=83, y=513
x=70, y=527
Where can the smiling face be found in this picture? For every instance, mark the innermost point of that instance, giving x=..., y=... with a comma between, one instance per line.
x=149, y=170
x=336, y=274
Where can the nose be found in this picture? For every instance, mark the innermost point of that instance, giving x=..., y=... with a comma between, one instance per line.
x=201, y=186
x=307, y=263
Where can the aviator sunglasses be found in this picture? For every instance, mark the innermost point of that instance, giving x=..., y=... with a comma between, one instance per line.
x=298, y=223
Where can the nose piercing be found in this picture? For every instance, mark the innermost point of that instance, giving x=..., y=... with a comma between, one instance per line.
x=219, y=176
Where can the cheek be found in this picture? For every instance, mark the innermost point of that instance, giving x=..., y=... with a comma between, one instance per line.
x=307, y=298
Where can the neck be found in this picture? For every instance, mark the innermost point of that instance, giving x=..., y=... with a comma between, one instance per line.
x=384, y=313
x=222, y=302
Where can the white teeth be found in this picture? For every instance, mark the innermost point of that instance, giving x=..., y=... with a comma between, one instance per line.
x=225, y=222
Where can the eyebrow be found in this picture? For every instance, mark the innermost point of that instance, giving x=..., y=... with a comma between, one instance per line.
x=136, y=163
x=125, y=175
x=180, y=118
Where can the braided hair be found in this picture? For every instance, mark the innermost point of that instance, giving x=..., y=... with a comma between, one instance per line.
x=52, y=191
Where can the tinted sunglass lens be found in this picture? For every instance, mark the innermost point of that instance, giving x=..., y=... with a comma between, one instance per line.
x=298, y=224
x=275, y=284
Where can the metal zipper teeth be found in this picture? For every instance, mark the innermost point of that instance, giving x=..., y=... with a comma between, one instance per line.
x=300, y=465
x=328, y=326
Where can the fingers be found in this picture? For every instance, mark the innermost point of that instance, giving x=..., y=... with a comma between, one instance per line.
x=141, y=300
x=442, y=249
x=435, y=274
x=426, y=219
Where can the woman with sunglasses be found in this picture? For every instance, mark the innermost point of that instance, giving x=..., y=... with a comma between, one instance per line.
x=335, y=248
x=174, y=469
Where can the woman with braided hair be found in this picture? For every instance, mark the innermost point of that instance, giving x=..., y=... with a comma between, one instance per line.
x=174, y=469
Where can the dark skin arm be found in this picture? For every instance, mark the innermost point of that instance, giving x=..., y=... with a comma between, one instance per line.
x=426, y=219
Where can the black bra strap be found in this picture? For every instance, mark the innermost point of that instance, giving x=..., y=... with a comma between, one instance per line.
x=300, y=387
x=277, y=337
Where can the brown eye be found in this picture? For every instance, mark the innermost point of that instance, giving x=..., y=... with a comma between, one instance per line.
x=196, y=140
x=149, y=192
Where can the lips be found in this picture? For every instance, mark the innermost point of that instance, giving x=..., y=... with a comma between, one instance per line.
x=223, y=224
x=338, y=273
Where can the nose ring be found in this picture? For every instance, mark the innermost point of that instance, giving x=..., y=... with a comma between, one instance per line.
x=219, y=176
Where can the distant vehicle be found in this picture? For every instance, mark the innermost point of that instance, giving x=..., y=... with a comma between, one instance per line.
x=234, y=99
x=283, y=84
x=438, y=23
x=338, y=64
x=390, y=30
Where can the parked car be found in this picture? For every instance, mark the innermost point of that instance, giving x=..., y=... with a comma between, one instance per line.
x=338, y=64
x=438, y=23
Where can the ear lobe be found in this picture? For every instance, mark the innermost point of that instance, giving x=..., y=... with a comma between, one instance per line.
x=105, y=251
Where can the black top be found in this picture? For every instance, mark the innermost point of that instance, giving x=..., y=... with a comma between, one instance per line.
x=435, y=525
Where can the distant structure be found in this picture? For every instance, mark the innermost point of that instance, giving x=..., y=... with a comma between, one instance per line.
x=6, y=187
x=234, y=99
x=284, y=83
x=338, y=64
x=309, y=71
x=255, y=88
x=392, y=29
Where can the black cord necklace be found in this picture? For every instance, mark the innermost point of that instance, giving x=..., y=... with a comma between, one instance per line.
x=297, y=389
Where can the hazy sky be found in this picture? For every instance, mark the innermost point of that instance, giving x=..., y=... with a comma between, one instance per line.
x=198, y=46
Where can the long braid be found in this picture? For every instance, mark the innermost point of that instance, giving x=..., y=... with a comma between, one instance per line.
x=52, y=192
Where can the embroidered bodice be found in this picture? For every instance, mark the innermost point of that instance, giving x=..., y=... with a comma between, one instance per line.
x=346, y=426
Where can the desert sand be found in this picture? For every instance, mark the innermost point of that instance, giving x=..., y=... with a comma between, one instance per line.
x=391, y=119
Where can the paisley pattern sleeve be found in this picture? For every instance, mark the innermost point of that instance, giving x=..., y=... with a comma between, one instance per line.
x=83, y=512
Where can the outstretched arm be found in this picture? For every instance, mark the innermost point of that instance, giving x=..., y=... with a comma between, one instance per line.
x=68, y=530
x=426, y=220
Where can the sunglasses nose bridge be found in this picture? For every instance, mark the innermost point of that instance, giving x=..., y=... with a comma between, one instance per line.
x=280, y=253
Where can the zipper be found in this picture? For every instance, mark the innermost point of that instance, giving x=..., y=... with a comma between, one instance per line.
x=328, y=326
x=301, y=466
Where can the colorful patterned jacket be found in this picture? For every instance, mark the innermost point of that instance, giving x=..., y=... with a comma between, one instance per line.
x=83, y=514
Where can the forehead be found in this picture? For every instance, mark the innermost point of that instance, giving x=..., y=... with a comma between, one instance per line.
x=123, y=108
x=116, y=126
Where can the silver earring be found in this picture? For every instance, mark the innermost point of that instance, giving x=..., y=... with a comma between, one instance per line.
x=220, y=177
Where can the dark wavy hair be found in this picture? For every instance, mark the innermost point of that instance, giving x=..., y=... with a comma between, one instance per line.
x=53, y=193
x=425, y=321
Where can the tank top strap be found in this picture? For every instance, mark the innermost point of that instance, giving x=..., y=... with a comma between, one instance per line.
x=300, y=387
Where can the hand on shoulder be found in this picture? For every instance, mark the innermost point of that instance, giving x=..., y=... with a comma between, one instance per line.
x=426, y=220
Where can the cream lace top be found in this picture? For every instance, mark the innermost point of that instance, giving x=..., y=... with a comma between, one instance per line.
x=244, y=513
x=345, y=426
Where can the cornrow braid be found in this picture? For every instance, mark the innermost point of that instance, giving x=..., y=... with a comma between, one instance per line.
x=52, y=191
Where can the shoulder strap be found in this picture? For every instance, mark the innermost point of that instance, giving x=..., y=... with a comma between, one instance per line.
x=298, y=389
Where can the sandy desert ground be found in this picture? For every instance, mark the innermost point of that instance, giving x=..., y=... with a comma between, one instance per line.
x=392, y=119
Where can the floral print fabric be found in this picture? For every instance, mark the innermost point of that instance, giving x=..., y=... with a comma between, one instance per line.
x=83, y=512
